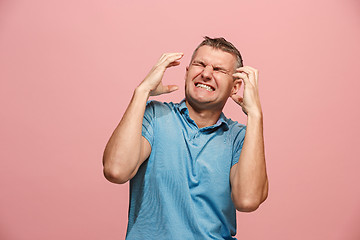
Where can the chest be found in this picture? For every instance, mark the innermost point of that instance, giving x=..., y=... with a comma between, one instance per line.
x=196, y=156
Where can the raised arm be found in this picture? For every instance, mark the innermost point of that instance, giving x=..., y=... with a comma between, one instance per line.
x=248, y=177
x=127, y=149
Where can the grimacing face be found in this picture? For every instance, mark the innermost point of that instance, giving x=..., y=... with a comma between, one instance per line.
x=208, y=79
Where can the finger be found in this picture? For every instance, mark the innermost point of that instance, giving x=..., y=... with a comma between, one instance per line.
x=250, y=68
x=175, y=63
x=257, y=77
x=239, y=100
x=256, y=72
x=240, y=75
x=167, y=58
x=170, y=88
x=243, y=76
x=166, y=55
x=252, y=73
x=170, y=57
x=246, y=70
x=174, y=57
x=163, y=89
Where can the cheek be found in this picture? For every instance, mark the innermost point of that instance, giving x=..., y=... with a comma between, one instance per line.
x=226, y=86
x=193, y=73
x=188, y=82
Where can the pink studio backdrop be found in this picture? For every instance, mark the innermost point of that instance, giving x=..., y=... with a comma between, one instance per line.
x=67, y=72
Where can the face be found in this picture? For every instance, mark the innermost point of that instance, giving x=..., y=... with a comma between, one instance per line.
x=208, y=80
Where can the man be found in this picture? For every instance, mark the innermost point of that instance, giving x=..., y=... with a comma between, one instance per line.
x=191, y=167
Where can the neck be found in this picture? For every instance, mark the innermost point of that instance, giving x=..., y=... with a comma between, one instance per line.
x=203, y=117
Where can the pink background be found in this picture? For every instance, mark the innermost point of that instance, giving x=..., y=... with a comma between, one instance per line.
x=68, y=69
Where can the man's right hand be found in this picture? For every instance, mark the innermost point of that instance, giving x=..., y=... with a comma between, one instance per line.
x=152, y=82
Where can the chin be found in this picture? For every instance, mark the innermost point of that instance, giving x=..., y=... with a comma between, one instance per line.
x=204, y=104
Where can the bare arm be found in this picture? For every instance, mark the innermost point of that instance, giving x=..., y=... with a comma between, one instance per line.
x=248, y=177
x=127, y=149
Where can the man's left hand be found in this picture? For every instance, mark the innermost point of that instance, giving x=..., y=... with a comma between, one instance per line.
x=250, y=101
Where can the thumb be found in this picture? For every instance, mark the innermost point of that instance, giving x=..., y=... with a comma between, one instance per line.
x=170, y=88
x=237, y=99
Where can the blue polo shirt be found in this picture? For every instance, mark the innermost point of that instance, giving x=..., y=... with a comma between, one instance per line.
x=182, y=191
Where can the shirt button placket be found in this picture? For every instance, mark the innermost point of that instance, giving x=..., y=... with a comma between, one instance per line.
x=194, y=137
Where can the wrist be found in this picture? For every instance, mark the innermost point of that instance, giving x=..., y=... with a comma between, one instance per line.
x=142, y=90
x=256, y=115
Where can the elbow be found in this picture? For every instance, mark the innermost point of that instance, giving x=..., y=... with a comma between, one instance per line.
x=246, y=205
x=249, y=204
x=115, y=175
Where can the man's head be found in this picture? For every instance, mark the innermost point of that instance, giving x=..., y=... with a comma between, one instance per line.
x=208, y=80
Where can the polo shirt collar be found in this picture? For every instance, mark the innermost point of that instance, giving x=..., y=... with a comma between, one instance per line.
x=220, y=122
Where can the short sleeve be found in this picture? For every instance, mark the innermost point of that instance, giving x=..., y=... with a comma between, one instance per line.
x=148, y=122
x=238, y=144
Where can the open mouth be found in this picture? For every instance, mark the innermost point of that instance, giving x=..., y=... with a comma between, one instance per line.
x=204, y=86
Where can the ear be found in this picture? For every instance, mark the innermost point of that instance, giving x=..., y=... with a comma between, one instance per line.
x=187, y=70
x=236, y=86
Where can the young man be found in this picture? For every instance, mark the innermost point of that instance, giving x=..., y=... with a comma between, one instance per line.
x=191, y=167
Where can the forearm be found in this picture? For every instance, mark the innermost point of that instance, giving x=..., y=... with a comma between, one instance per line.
x=249, y=183
x=123, y=150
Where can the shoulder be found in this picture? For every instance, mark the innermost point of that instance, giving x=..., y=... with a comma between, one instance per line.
x=234, y=126
x=158, y=107
x=161, y=105
x=236, y=131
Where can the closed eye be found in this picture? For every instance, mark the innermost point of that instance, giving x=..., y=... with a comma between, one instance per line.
x=215, y=69
x=198, y=64
x=221, y=70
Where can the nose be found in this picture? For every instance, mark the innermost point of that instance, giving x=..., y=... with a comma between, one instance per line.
x=207, y=72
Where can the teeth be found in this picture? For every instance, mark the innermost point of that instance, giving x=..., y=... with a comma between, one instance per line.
x=200, y=85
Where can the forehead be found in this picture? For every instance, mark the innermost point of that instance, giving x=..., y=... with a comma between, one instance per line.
x=215, y=57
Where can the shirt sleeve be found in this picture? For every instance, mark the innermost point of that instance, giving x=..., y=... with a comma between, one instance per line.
x=148, y=122
x=238, y=144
